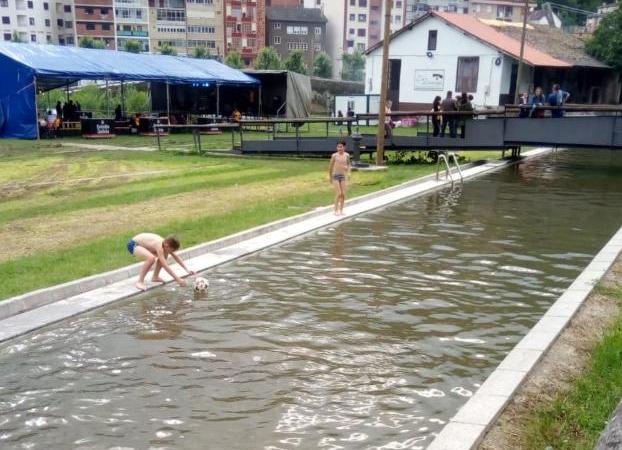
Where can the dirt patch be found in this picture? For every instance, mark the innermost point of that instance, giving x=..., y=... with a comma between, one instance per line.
x=55, y=232
x=564, y=361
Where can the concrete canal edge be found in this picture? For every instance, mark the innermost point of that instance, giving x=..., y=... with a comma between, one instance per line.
x=474, y=420
x=33, y=310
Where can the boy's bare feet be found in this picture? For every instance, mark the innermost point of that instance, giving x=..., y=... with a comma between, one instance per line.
x=141, y=286
x=158, y=280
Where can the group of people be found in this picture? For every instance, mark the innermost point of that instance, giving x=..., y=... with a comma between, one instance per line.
x=69, y=112
x=532, y=106
x=441, y=122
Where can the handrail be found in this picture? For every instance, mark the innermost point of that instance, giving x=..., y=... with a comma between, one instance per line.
x=298, y=120
x=570, y=108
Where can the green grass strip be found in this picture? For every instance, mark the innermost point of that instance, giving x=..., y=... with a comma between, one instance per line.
x=575, y=419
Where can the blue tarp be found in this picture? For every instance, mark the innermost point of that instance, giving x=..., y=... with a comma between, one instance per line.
x=53, y=66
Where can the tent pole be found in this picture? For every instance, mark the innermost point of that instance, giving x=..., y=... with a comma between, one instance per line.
x=107, y=100
x=168, y=103
x=67, y=92
x=37, y=110
x=122, y=100
x=218, y=100
x=150, y=100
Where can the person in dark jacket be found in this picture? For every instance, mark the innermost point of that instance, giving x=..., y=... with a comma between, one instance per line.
x=436, y=118
x=537, y=101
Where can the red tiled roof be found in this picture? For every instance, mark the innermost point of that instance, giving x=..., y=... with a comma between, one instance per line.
x=487, y=34
x=502, y=42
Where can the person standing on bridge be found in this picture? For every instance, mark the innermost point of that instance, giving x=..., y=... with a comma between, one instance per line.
x=537, y=101
x=449, y=105
x=436, y=118
x=338, y=171
x=557, y=98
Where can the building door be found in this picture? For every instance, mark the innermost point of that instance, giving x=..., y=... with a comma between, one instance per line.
x=513, y=80
x=395, y=73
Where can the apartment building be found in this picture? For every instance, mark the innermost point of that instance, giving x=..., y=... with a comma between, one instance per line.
x=506, y=10
x=167, y=25
x=417, y=8
x=95, y=19
x=35, y=21
x=292, y=3
x=290, y=29
x=245, y=27
x=205, y=25
x=132, y=22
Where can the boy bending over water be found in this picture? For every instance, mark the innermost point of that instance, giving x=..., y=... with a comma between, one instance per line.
x=153, y=248
x=338, y=169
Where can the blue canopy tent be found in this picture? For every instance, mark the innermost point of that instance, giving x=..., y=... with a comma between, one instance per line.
x=27, y=69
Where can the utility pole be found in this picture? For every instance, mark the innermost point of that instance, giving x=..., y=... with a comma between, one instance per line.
x=384, y=84
x=522, y=52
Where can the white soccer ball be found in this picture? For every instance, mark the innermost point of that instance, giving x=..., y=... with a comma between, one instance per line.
x=200, y=285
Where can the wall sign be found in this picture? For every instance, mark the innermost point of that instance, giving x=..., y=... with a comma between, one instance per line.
x=429, y=80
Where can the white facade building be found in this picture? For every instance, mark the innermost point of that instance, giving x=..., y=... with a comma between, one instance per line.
x=132, y=22
x=452, y=52
x=334, y=11
x=36, y=21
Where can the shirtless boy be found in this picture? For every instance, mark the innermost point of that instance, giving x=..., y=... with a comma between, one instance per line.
x=153, y=248
x=338, y=169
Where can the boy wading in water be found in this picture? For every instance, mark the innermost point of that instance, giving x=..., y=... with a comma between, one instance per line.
x=153, y=248
x=337, y=171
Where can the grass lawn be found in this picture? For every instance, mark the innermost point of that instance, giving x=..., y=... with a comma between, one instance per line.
x=66, y=213
x=576, y=418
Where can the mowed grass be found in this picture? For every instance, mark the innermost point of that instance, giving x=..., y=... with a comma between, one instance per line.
x=66, y=213
x=575, y=419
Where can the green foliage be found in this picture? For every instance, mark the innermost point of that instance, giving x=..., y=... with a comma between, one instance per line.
x=16, y=38
x=234, y=59
x=606, y=43
x=93, y=98
x=323, y=66
x=353, y=66
x=296, y=62
x=132, y=46
x=168, y=50
x=574, y=18
x=268, y=59
x=89, y=42
x=201, y=53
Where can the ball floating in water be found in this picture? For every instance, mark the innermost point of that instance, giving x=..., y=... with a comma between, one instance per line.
x=200, y=285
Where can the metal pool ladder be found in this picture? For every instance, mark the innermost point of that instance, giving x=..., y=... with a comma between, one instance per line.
x=446, y=157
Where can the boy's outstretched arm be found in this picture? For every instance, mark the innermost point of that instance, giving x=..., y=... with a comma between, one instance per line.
x=180, y=261
x=165, y=266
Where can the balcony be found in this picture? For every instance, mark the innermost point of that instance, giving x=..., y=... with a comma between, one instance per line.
x=141, y=34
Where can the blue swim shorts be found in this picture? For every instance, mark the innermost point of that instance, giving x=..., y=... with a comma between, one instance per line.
x=130, y=246
x=339, y=177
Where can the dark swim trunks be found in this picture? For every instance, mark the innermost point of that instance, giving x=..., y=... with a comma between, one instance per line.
x=339, y=177
x=130, y=246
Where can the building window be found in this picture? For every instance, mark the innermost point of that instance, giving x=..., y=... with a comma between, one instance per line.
x=432, y=35
x=277, y=40
x=352, y=17
x=48, y=38
x=60, y=22
x=30, y=5
x=67, y=8
x=318, y=31
x=466, y=77
x=362, y=17
x=350, y=44
x=33, y=38
x=88, y=11
x=360, y=47
x=46, y=6
x=31, y=21
x=6, y=20
x=90, y=26
x=277, y=25
x=398, y=4
x=504, y=12
x=47, y=22
x=68, y=24
x=362, y=32
x=7, y=36
x=104, y=11
x=352, y=2
x=70, y=40
x=318, y=47
x=363, y=3
x=398, y=19
x=5, y=3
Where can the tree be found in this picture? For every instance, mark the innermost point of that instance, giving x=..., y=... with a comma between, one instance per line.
x=167, y=50
x=296, y=63
x=323, y=66
x=89, y=42
x=16, y=38
x=353, y=66
x=268, y=59
x=606, y=43
x=132, y=46
x=200, y=53
x=234, y=59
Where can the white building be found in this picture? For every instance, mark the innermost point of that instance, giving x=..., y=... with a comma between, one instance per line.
x=36, y=21
x=443, y=52
x=132, y=22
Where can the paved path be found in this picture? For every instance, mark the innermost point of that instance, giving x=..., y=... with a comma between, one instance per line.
x=108, y=147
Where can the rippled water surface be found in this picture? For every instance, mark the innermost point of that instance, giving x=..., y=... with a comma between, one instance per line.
x=367, y=335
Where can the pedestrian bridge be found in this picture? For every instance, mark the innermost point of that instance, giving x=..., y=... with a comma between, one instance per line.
x=500, y=129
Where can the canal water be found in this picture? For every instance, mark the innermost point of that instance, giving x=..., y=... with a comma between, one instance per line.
x=366, y=335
